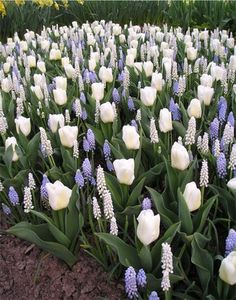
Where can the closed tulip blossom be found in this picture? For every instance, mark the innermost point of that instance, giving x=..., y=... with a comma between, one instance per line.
x=58, y=195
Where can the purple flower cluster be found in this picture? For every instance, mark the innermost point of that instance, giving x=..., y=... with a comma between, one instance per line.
x=13, y=196
x=147, y=203
x=174, y=109
x=230, y=242
x=133, y=281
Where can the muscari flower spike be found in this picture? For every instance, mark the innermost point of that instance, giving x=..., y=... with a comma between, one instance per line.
x=230, y=119
x=222, y=108
x=79, y=179
x=106, y=150
x=91, y=139
x=174, y=109
x=221, y=165
x=141, y=278
x=131, y=104
x=116, y=96
x=214, y=129
x=147, y=203
x=153, y=296
x=230, y=242
x=130, y=283
x=13, y=196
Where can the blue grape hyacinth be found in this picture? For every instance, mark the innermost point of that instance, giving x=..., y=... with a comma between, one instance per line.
x=141, y=278
x=221, y=165
x=230, y=242
x=153, y=296
x=130, y=283
x=13, y=196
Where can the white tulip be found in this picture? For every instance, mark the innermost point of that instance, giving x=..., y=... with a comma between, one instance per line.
x=58, y=195
x=165, y=120
x=157, y=81
x=64, y=61
x=6, y=67
x=23, y=124
x=192, y=196
x=217, y=72
x=194, y=109
x=55, y=121
x=148, y=68
x=206, y=80
x=70, y=71
x=205, y=94
x=55, y=54
x=232, y=184
x=179, y=157
x=23, y=46
x=134, y=44
x=124, y=169
x=41, y=66
x=61, y=82
x=92, y=64
x=90, y=39
x=148, y=95
x=191, y=53
x=107, y=113
x=97, y=91
x=122, y=38
x=132, y=51
x=105, y=74
x=129, y=61
x=12, y=141
x=38, y=92
x=38, y=79
x=148, y=228
x=116, y=29
x=45, y=44
x=68, y=135
x=60, y=96
x=31, y=61
x=138, y=67
x=6, y=85
x=130, y=137
x=227, y=271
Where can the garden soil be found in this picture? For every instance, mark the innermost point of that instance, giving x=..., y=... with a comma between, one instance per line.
x=28, y=273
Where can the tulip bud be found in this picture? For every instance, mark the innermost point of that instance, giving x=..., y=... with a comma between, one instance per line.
x=105, y=74
x=98, y=91
x=38, y=92
x=192, y=196
x=12, y=141
x=23, y=124
x=55, y=121
x=55, y=54
x=165, y=120
x=68, y=135
x=31, y=61
x=227, y=271
x=195, y=109
x=157, y=81
x=148, y=95
x=107, y=112
x=124, y=169
x=60, y=96
x=179, y=157
x=191, y=53
x=61, y=82
x=58, y=195
x=148, y=228
x=148, y=68
x=205, y=94
x=130, y=137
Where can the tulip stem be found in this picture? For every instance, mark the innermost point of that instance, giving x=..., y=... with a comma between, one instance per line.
x=202, y=194
x=61, y=216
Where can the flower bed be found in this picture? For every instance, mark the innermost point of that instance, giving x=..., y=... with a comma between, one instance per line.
x=120, y=141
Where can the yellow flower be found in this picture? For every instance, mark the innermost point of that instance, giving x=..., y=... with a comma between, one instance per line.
x=56, y=6
x=2, y=9
x=80, y=2
x=19, y=2
x=65, y=2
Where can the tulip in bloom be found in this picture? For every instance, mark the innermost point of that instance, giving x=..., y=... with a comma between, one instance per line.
x=192, y=196
x=105, y=74
x=195, y=109
x=12, y=141
x=58, y=195
x=191, y=53
x=6, y=85
x=130, y=137
x=38, y=92
x=61, y=82
x=148, y=95
x=179, y=157
x=31, y=61
x=70, y=71
x=227, y=269
x=107, y=112
x=206, y=80
x=148, y=68
x=148, y=229
x=23, y=124
x=157, y=81
x=55, y=121
x=124, y=169
x=6, y=67
x=60, y=96
x=55, y=54
x=165, y=120
x=68, y=135
x=232, y=184
x=205, y=94
x=97, y=91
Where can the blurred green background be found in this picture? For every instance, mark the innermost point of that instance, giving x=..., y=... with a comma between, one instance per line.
x=201, y=14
